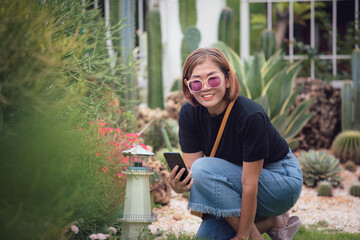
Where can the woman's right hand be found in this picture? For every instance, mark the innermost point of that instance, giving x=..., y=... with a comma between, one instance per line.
x=177, y=185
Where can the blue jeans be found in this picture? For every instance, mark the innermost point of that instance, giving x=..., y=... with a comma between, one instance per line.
x=217, y=192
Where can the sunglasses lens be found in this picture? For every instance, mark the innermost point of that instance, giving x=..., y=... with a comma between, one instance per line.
x=195, y=85
x=214, y=81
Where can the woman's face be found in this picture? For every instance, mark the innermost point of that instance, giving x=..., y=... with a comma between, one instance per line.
x=211, y=94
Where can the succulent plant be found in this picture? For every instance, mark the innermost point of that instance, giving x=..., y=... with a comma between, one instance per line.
x=346, y=146
x=319, y=166
x=355, y=190
x=268, y=43
x=324, y=189
x=350, y=166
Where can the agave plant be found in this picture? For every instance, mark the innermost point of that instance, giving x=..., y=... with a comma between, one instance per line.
x=319, y=166
x=271, y=83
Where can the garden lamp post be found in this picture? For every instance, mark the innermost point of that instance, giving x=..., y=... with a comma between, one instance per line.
x=137, y=213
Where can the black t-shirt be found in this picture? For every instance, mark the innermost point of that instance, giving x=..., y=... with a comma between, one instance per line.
x=248, y=135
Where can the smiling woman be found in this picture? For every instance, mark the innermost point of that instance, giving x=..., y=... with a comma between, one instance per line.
x=251, y=181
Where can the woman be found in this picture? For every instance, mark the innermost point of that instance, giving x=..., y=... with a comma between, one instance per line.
x=254, y=179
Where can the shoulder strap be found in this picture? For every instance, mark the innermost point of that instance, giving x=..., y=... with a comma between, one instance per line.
x=222, y=127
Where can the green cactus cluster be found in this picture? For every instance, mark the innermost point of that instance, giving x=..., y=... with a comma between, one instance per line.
x=319, y=166
x=324, y=189
x=346, y=146
x=355, y=190
x=154, y=59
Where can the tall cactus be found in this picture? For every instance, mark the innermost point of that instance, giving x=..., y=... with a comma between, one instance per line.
x=356, y=85
x=187, y=13
x=235, y=6
x=227, y=27
x=190, y=42
x=154, y=57
x=268, y=43
x=127, y=43
x=346, y=105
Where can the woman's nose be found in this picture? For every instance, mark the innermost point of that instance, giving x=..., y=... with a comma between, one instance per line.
x=206, y=86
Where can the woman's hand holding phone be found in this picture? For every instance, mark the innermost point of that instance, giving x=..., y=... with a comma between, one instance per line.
x=177, y=185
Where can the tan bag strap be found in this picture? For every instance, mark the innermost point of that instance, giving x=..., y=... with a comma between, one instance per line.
x=222, y=127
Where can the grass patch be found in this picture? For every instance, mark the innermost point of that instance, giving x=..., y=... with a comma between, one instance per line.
x=310, y=233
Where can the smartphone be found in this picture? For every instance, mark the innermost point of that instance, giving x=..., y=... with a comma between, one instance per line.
x=173, y=159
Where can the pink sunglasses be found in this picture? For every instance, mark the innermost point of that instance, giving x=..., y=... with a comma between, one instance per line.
x=196, y=85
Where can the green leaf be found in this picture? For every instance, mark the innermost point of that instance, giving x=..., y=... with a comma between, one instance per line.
x=273, y=65
x=280, y=122
x=297, y=124
x=291, y=99
x=263, y=101
x=254, y=79
x=278, y=89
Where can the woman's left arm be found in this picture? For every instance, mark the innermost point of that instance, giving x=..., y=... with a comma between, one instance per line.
x=250, y=178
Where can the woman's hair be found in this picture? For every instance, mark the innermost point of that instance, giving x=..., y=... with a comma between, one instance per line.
x=214, y=55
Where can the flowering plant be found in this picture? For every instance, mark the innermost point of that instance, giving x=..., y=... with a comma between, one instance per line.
x=114, y=141
x=106, y=161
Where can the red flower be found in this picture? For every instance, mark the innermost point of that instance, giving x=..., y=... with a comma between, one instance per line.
x=105, y=169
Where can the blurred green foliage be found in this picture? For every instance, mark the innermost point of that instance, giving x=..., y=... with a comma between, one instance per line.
x=54, y=80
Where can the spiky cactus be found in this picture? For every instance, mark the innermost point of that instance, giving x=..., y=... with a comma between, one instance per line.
x=154, y=56
x=127, y=43
x=350, y=166
x=356, y=85
x=355, y=190
x=187, y=14
x=324, y=189
x=268, y=43
x=346, y=146
x=227, y=27
x=319, y=166
x=346, y=105
x=190, y=42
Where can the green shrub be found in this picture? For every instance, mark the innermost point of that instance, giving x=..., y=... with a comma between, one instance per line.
x=324, y=189
x=346, y=146
x=350, y=166
x=355, y=190
x=319, y=166
x=54, y=69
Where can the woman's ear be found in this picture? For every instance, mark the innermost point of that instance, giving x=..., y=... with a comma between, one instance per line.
x=227, y=80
